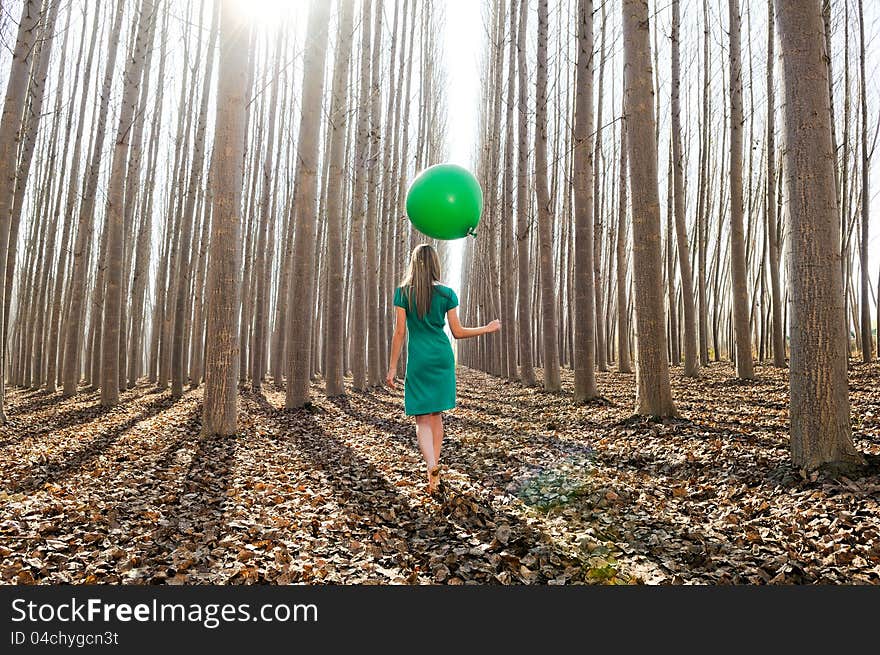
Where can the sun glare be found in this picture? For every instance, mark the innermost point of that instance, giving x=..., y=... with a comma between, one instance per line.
x=268, y=12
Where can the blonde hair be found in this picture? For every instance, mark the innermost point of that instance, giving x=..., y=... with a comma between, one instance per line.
x=418, y=285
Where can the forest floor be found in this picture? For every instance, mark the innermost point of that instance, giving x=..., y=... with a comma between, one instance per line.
x=537, y=490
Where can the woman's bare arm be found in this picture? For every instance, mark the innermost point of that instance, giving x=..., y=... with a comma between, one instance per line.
x=396, y=344
x=461, y=332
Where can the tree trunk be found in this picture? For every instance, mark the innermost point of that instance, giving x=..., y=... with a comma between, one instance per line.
x=584, y=295
x=375, y=340
x=524, y=288
x=624, y=365
x=10, y=124
x=56, y=342
x=738, y=280
x=703, y=200
x=142, y=256
x=549, y=301
x=865, y=300
x=599, y=324
x=358, y=333
x=654, y=397
x=335, y=279
x=220, y=407
x=820, y=424
x=691, y=361
x=114, y=222
x=772, y=224
x=672, y=318
x=52, y=206
x=74, y=329
x=184, y=264
x=302, y=291
x=507, y=228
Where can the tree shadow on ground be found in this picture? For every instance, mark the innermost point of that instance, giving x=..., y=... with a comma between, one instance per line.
x=27, y=401
x=59, y=468
x=76, y=415
x=196, y=516
x=458, y=451
x=462, y=526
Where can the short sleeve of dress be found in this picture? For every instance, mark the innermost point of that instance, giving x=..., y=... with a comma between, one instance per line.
x=399, y=300
x=452, y=302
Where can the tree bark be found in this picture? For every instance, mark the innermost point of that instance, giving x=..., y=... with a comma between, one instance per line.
x=703, y=200
x=744, y=367
x=142, y=255
x=691, y=361
x=598, y=218
x=335, y=279
x=50, y=208
x=114, y=222
x=183, y=264
x=56, y=342
x=671, y=304
x=819, y=406
x=549, y=301
x=10, y=124
x=74, y=329
x=654, y=397
x=375, y=340
x=584, y=293
x=865, y=297
x=624, y=365
x=772, y=225
x=220, y=407
x=524, y=288
x=299, y=348
x=507, y=230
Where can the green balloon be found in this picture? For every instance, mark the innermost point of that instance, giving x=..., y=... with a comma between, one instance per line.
x=445, y=202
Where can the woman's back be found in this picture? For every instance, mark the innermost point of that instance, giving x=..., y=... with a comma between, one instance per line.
x=430, y=365
x=442, y=300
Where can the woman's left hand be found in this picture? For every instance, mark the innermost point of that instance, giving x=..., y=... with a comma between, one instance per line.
x=389, y=379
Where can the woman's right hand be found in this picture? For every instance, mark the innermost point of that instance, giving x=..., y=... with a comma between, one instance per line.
x=494, y=326
x=389, y=378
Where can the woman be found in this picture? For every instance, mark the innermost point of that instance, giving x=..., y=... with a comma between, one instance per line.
x=429, y=388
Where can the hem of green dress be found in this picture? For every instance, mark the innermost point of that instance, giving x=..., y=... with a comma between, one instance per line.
x=433, y=411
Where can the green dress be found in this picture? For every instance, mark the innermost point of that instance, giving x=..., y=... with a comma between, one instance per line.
x=430, y=365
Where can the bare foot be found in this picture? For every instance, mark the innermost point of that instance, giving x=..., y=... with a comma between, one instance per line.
x=433, y=479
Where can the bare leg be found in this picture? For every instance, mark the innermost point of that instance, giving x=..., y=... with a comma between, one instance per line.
x=425, y=438
x=437, y=430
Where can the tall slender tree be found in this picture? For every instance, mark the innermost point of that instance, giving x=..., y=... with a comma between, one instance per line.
x=10, y=125
x=335, y=299
x=654, y=396
x=549, y=301
x=703, y=199
x=220, y=407
x=375, y=340
x=507, y=227
x=358, y=336
x=740, y=300
x=114, y=223
x=584, y=296
x=819, y=405
x=865, y=292
x=265, y=223
x=74, y=331
x=770, y=199
x=598, y=218
x=184, y=264
x=524, y=288
x=299, y=348
x=691, y=361
x=624, y=365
